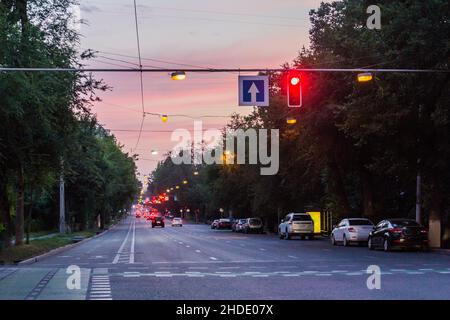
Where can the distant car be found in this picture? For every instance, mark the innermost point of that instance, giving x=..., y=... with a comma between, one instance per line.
x=296, y=224
x=398, y=233
x=240, y=225
x=214, y=224
x=237, y=225
x=223, y=224
x=252, y=225
x=177, y=222
x=158, y=221
x=351, y=230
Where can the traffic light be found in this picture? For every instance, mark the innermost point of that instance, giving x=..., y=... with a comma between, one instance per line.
x=294, y=91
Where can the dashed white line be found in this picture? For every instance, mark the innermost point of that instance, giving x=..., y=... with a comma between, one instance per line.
x=212, y=258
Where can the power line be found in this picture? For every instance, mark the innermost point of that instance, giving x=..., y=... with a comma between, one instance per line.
x=141, y=76
x=222, y=70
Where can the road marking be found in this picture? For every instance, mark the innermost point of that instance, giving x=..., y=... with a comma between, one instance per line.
x=212, y=258
x=262, y=249
x=198, y=251
x=132, y=243
x=117, y=257
x=100, y=286
x=180, y=242
x=188, y=246
x=292, y=257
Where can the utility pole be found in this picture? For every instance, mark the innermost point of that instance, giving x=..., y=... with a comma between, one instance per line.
x=419, y=174
x=62, y=209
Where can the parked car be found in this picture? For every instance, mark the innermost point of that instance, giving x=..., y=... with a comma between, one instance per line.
x=296, y=224
x=398, y=233
x=223, y=224
x=238, y=225
x=177, y=222
x=158, y=221
x=351, y=230
x=252, y=225
x=214, y=224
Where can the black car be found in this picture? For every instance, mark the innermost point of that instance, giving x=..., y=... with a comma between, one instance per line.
x=158, y=222
x=398, y=233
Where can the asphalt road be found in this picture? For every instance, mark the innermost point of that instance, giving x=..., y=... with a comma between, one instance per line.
x=134, y=261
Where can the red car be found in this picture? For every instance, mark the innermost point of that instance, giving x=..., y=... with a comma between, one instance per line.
x=224, y=224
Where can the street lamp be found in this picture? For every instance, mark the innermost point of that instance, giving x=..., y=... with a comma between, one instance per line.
x=365, y=77
x=185, y=182
x=177, y=187
x=291, y=121
x=164, y=117
x=195, y=173
x=178, y=75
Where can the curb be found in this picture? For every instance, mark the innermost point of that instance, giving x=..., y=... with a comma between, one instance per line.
x=64, y=248
x=445, y=252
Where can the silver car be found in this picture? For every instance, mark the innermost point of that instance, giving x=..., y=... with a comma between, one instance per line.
x=296, y=224
x=351, y=230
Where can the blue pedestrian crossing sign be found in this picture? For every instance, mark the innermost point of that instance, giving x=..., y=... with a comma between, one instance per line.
x=254, y=91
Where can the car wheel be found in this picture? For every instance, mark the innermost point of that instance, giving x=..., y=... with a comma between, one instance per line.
x=333, y=240
x=344, y=241
x=386, y=245
x=369, y=244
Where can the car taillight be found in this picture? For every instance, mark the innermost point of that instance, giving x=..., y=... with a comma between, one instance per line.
x=351, y=230
x=396, y=230
x=423, y=231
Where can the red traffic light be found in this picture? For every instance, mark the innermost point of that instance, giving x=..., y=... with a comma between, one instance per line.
x=294, y=91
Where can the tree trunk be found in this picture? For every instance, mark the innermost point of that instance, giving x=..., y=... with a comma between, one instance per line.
x=367, y=192
x=30, y=211
x=5, y=217
x=20, y=208
x=435, y=216
x=337, y=187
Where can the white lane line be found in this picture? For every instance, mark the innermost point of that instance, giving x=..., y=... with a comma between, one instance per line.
x=292, y=257
x=212, y=258
x=188, y=246
x=180, y=242
x=262, y=249
x=198, y=251
x=117, y=257
x=133, y=239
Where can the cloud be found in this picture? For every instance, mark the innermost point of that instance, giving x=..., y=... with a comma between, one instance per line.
x=89, y=8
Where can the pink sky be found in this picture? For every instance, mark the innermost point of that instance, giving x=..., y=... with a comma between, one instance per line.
x=232, y=33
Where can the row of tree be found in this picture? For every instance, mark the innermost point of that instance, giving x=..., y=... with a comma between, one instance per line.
x=357, y=149
x=47, y=130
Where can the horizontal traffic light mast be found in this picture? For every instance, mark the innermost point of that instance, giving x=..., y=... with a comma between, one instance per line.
x=218, y=70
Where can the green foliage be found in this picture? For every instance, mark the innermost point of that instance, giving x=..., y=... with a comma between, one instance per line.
x=355, y=147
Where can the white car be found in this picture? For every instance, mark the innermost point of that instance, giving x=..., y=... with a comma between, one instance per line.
x=296, y=224
x=351, y=230
x=177, y=222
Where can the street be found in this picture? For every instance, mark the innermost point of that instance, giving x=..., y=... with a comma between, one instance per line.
x=134, y=261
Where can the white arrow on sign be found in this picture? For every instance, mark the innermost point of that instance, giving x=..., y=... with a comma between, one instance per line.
x=253, y=92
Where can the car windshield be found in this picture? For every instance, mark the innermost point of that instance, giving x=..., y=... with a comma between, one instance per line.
x=360, y=222
x=301, y=217
x=242, y=220
x=404, y=223
x=255, y=221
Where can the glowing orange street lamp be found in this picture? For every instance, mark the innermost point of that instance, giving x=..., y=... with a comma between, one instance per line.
x=365, y=77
